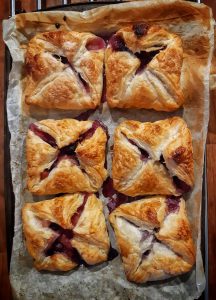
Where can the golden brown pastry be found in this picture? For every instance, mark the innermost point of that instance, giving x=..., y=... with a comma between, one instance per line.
x=65, y=156
x=144, y=68
x=66, y=231
x=154, y=238
x=64, y=70
x=153, y=158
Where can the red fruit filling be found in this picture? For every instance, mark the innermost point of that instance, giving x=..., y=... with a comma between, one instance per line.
x=144, y=156
x=63, y=242
x=172, y=204
x=46, y=137
x=181, y=186
x=95, y=44
x=76, y=216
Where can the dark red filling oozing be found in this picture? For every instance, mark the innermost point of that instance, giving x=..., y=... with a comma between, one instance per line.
x=63, y=244
x=85, y=115
x=172, y=204
x=146, y=254
x=89, y=133
x=118, y=44
x=140, y=29
x=46, y=137
x=144, y=156
x=95, y=44
x=115, y=198
x=145, y=58
x=180, y=185
x=76, y=216
x=65, y=61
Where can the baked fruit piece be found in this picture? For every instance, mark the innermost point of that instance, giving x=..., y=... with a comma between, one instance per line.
x=64, y=70
x=144, y=68
x=66, y=231
x=65, y=156
x=153, y=158
x=154, y=238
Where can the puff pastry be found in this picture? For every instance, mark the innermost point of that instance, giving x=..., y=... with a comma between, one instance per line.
x=64, y=70
x=65, y=156
x=144, y=68
x=63, y=232
x=154, y=238
x=153, y=158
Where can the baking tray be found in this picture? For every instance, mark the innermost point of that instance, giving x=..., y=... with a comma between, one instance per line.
x=9, y=195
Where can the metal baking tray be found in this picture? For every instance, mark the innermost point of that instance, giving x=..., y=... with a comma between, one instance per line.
x=9, y=195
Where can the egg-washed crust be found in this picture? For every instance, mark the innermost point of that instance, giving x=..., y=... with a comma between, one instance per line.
x=171, y=251
x=86, y=174
x=168, y=145
x=61, y=72
x=158, y=84
x=90, y=237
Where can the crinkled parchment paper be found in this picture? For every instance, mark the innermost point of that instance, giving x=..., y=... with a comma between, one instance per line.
x=107, y=281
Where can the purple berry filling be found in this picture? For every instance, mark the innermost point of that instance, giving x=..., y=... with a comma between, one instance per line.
x=103, y=96
x=118, y=44
x=65, y=61
x=95, y=44
x=63, y=244
x=46, y=137
x=145, y=58
x=180, y=185
x=144, y=156
x=85, y=115
x=172, y=204
x=76, y=216
x=89, y=133
x=140, y=29
x=115, y=198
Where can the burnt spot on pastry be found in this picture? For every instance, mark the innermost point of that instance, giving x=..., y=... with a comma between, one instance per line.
x=57, y=25
x=140, y=29
x=181, y=186
x=64, y=18
x=96, y=43
x=46, y=137
x=117, y=43
x=172, y=203
x=76, y=216
x=145, y=58
x=113, y=253
x=144, y=156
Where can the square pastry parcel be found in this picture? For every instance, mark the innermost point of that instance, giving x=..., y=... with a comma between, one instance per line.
x=65, y=156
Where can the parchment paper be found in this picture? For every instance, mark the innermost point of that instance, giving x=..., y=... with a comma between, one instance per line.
x=107, y=281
